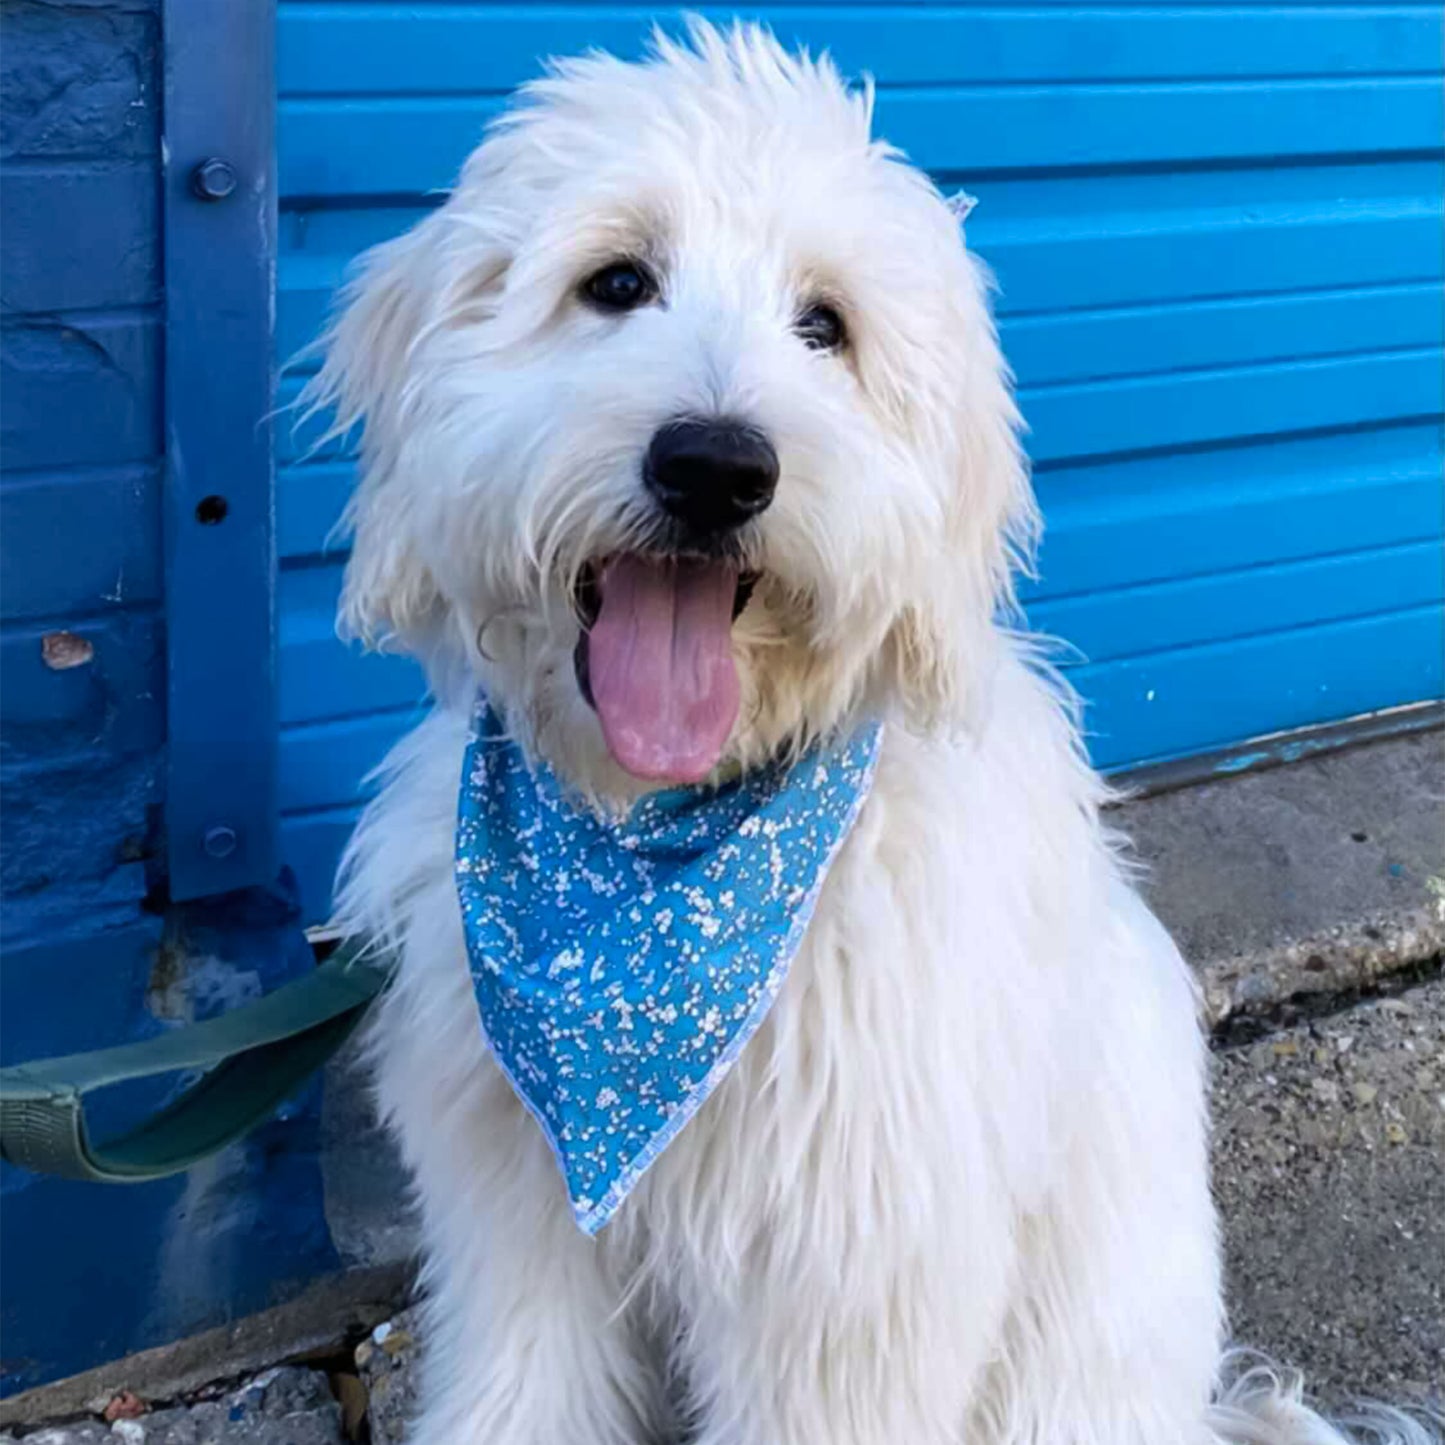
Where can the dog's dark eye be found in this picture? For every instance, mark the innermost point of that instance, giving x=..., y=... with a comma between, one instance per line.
x=821, y=328
x=622, y=286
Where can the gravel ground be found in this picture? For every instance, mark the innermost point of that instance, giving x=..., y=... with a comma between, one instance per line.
x=1330, y=1173
x=284, y=1406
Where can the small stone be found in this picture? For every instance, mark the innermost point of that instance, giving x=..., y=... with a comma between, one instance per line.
x=1364, y=1093
x=1396, y=1133
x=1285, y=1048
x=1325, y=1090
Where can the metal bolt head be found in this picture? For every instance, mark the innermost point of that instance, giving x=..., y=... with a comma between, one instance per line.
x=220, y=841
x=214, y=179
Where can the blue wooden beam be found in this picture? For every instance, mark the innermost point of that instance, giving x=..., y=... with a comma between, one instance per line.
x=220, y=247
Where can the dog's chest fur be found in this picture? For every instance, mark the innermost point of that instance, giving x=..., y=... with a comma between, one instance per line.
x=919, y=1022
x=935, y=1097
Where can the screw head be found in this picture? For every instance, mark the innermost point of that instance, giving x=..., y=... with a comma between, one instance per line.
x=220, y=841
x=214, y=179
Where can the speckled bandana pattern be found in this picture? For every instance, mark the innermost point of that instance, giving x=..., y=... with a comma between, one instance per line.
x=622, y=964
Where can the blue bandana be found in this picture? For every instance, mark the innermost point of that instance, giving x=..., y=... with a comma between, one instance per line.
x=621, y=964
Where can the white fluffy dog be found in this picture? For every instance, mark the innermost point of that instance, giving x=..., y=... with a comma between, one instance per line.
x=956, y=1187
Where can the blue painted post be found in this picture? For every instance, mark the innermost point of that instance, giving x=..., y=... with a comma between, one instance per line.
x=220, y=248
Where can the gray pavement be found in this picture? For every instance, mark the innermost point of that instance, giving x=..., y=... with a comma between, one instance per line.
x=1314, y=878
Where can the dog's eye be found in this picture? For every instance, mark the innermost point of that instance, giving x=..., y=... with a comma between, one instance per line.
x=622, y=286
x=821, y=328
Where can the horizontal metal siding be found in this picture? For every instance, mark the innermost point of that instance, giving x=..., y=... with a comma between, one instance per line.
x=1216, y=230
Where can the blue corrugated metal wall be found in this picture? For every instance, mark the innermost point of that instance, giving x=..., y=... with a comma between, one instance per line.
x=1217, y=230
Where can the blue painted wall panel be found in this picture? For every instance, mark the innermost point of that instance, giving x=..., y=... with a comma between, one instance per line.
x=445, y=49
x=51, y=264
x=81, y=641
x=84, y=92
x=81, y=721
x=91, y=954
x=79, y=389
x=50, y=566
x=1216, y=230
x=1206, y=697
x=408, y=146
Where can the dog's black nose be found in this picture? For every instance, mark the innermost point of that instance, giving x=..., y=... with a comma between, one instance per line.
x=711, y=475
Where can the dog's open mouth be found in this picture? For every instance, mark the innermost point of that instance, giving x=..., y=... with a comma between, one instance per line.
x=655, y=659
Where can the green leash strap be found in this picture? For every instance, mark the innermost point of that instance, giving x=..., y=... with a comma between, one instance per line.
x=254, y=1057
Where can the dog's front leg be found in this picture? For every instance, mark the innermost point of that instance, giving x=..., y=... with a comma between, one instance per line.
x=780, y=1364
x=524, y=1341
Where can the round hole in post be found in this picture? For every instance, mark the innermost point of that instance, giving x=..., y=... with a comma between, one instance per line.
x=212, y=509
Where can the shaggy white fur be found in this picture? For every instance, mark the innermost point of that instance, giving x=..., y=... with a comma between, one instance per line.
x=956, y=1188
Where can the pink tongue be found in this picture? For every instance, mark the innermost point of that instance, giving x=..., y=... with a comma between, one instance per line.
x=660, y=664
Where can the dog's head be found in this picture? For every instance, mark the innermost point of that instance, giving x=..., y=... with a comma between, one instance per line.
x=686, y=430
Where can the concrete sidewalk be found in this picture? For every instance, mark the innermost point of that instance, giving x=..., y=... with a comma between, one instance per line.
x=1317, y=877
x=1310, y=899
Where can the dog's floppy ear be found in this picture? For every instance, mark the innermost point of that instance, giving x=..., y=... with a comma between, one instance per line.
x=405, y=291
x=382, y=309
x=942, y=636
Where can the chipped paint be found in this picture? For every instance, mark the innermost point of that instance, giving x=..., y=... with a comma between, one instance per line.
x=64, y=650
x=1273, y=749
